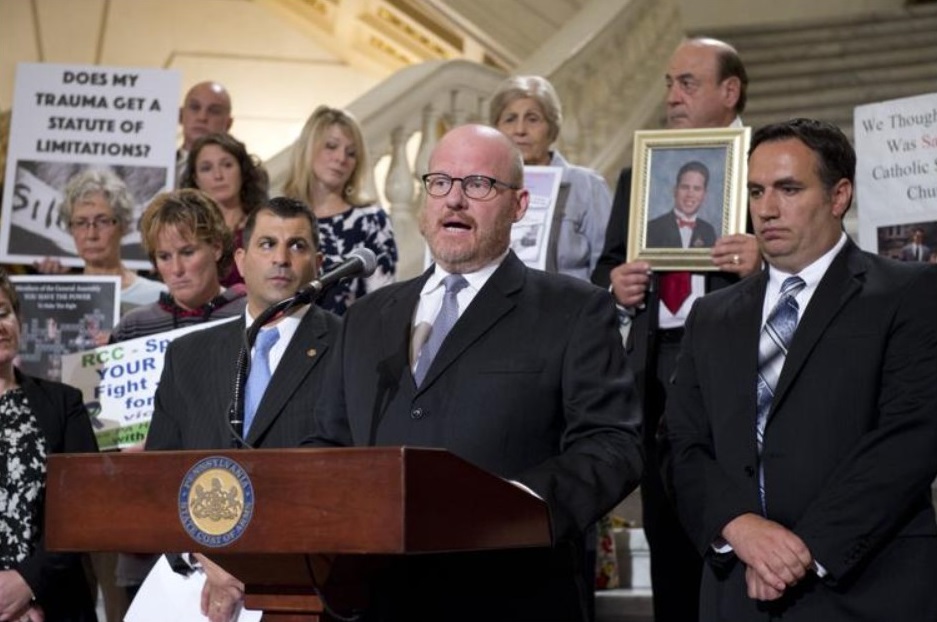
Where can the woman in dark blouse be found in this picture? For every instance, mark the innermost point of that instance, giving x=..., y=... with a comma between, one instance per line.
x=37, y=418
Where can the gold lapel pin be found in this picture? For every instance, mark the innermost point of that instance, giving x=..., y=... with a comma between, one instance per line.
x=311, y=352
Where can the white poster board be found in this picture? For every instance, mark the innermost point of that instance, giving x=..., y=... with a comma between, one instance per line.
x=531, y=235
x=119, y=381
x=896, y=176
x=68, y=118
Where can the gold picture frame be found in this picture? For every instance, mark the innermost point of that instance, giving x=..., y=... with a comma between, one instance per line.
x=719, y=158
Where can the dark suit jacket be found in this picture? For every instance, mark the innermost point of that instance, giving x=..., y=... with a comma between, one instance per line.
x=530, y=385
x=849, y=450
x=641, y=346
x=57, y=579
x=196, y=387
x=663, y=232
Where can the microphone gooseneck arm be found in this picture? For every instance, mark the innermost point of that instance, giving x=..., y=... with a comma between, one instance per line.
x=361, y=262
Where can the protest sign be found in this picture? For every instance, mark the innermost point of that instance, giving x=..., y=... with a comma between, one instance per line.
x=118, y=383
x=71, y=118
x=896, y=177
x=533, y=237
x=60, y=314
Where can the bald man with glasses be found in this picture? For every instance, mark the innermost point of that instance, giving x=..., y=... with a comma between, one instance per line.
x=518, y=371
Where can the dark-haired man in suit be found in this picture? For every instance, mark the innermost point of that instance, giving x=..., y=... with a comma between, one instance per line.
x=196, y=387
x=521, y=373
x=682, y=227
x=803, y=413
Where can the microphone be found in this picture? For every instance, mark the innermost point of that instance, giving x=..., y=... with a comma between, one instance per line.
x=361, y=262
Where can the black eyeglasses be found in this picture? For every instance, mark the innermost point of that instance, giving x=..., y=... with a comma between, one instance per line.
x=99, y=223
x=476, y=187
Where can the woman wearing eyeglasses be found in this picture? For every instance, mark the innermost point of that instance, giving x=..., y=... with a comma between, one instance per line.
x=328, y=169
x=98, y=209
x=527, y=110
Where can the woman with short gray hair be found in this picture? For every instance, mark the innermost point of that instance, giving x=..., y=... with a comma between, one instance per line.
x=98, y=211
x=527, y=110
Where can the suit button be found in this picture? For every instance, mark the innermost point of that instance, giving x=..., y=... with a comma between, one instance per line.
x=750, y=471
x=416, y=413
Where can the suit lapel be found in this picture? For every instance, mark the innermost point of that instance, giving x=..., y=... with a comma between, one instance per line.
x=840, y=283
x=303, y=353
x=397, y=319
x=220, y=381
x=490, y=304
x=673, y=232
x=743, y=325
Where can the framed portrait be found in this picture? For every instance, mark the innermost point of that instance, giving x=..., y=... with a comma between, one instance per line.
x=688, y=189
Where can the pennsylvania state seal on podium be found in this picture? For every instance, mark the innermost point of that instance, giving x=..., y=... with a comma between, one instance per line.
x=216, y=501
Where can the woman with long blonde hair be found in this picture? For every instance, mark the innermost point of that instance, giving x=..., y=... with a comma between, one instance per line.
x=328, y=171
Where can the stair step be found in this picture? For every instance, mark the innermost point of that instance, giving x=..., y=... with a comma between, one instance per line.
x=848, y=97
x=905, y=52
x=901, y=22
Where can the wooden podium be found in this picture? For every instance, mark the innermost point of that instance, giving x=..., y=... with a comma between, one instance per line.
x=321, y=520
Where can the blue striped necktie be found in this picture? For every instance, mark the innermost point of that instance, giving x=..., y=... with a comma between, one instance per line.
x=445, y=320
x=775, y=339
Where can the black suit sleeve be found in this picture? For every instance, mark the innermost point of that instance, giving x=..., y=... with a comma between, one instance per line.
x=706, y=497
x=600, y=457
x=67, y=427
x=869, y=495
x=616, y=234
x=165, y=432
x=331, y=427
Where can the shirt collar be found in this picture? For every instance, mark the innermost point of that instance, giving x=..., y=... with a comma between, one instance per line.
x=475, y=279
x=815, y=271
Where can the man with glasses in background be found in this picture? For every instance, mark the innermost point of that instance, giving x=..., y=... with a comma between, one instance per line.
x=518, y=371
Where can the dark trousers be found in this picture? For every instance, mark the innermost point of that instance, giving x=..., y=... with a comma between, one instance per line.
x=676, y=567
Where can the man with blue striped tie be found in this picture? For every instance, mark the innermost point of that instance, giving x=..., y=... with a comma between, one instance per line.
x=803, y=414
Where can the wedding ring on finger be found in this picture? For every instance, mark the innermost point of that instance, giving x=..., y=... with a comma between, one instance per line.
x=736, y=259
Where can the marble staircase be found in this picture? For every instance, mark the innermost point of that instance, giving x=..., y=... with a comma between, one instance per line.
x=824, y=69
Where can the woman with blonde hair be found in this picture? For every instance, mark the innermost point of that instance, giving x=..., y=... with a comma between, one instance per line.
x=527, y=110
x=328, y=171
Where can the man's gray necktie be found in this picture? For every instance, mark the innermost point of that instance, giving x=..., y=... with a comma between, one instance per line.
x=445, y=320
x=776, y=336
x=259, y=377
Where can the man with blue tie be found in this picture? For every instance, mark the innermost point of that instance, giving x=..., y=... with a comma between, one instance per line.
x=279, y=257
x=518, y=371
x=803, y=412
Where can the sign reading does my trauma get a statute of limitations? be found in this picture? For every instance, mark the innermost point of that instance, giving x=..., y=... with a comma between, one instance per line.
x=71, y=118
x=118, y=383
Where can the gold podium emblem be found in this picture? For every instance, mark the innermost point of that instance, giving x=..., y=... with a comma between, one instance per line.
x=216, y=501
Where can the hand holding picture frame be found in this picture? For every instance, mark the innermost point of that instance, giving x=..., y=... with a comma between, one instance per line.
x=688, y=190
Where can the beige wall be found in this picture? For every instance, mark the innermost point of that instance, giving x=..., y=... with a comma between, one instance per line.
x=698, y=15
